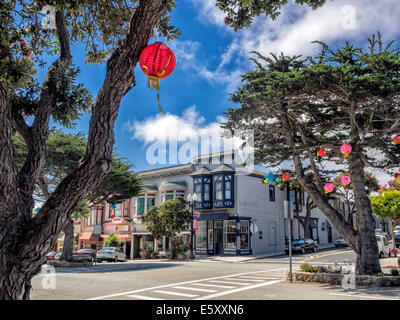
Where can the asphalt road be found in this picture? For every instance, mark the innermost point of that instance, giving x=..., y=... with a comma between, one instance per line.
x=261, y=279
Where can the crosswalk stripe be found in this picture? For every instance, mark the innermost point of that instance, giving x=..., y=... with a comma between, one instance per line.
x=176, y=293
x=143, y=297
x=230, y=282
x=249, y=277
x=253, y=280
x=212, y=285
x=195, y=289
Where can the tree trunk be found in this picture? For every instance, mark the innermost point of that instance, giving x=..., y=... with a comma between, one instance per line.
x=68, y=246
x=367, y=256
x=25, y=240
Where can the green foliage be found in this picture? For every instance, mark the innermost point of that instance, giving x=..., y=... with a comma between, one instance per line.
x=386, y=204
x=81, y=210
x=317, y=97
x=242, y=12
x=168, y=219
x=394, y=272
x=112, y=241
x=99, y=26
x=64, y=151
x=179, y=249
x=306, y=267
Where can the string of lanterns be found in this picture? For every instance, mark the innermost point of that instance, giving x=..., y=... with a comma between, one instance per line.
x=345, y=149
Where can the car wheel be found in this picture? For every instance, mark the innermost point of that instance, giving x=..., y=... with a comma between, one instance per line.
x=303, y=251
x=116, y=259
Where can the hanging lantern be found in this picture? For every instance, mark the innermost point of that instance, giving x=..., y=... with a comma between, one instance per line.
x=113, y=206
x=346, y=180
x=346, y=149
x=321, y=152
x=37, y=209
x=278, y=180
x=227, y=21
x=285, y=177
x=396, y=140
x=328, y=187
x=112, y=216
x=157, y=61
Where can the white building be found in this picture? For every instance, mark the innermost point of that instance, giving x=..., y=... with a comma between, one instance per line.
x=236, y=213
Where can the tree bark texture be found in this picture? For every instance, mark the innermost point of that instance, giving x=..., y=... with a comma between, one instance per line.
x=25, y=240
x=68, y=246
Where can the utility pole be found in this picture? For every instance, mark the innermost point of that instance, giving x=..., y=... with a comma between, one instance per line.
x=288, y=216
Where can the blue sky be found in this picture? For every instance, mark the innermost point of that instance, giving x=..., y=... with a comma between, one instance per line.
x=210, y=58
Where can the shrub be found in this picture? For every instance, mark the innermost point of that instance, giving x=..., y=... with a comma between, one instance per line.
x=394, y=272
x=320, y=269
x=306, y=267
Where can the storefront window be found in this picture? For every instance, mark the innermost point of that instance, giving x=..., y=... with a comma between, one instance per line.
x=244, y=234
x=230, y=234
x=148, y=243
x=126, y=208
x=140, y=206
x=169, y=197
x=210, y=235
x=201, y=236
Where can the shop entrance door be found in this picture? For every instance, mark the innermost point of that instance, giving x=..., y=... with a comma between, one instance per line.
x=219, y=248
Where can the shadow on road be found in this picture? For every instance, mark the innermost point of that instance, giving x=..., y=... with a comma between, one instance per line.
x=103, y=268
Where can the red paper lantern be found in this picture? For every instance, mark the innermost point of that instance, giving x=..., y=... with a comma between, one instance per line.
x=157, y=61
x=285, y=177
x=396, y=140
x=321, y=152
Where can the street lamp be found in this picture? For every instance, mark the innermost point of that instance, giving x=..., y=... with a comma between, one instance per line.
x=192, y=199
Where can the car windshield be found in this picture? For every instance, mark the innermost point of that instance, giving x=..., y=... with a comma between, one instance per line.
x=83, y=250
x=107, y=249
x=296, y=242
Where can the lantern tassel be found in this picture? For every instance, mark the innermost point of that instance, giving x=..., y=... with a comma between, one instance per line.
x=159, y=104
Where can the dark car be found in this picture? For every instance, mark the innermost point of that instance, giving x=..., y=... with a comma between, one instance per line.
x=303, y=245
x=397, y=239
x=84, y=255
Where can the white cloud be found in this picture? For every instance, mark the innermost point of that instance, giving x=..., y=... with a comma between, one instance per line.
x=294, y=30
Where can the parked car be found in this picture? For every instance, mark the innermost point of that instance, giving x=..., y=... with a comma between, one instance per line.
x=397, y=239
x=111, y=254
x=396, y=230
x=84, y=255
x=340, y=242
x=58, y=255
x=303, y=245
x=383, y=246
x=50, y=256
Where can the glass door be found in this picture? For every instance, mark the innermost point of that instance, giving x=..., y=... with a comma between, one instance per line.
x=218, y=237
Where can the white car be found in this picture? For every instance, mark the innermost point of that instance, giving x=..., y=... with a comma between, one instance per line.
x=111, y=254
x=383, y=246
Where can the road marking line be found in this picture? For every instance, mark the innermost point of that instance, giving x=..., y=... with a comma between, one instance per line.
x=360, y=296
x=213, y=285
x=250, y=277
x=215, y=295
x=143, y=297
x=180, y=283
x=230, y=282
x=325, y=255
x=195, y=289
x=254, y=280
x=177, y=293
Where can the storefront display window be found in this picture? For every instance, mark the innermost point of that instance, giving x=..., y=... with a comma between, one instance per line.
x=244, y=234
x=147, y=243
x=230, y=234
x=201, y=236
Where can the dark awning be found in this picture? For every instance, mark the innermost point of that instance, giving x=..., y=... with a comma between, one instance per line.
x=213, y=216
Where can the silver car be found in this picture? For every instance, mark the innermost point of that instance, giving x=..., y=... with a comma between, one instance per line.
x=111, y=254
